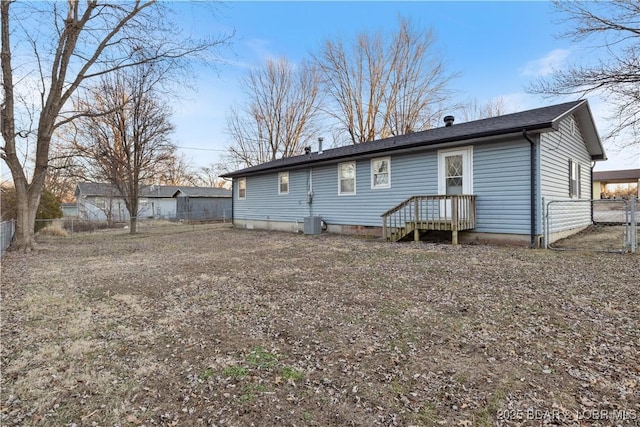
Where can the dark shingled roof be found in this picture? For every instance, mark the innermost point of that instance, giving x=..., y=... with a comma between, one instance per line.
x=151, y=191
x=625, y=175
x=202, y=192
x=539, y=119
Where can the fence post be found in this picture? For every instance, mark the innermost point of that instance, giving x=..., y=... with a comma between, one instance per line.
x=545, y=219
x=7, y=234
x=416, y=232
x=634, y=224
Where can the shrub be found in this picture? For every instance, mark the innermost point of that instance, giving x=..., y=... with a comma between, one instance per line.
x=49, y=207
x=77, y=226
x=54, y=229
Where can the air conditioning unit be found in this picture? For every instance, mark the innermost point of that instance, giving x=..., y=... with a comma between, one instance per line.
x=312, y=225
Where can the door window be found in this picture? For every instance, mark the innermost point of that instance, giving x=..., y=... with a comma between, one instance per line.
x=454, y=174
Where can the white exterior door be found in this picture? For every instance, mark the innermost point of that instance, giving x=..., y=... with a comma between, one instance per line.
x=455, y=175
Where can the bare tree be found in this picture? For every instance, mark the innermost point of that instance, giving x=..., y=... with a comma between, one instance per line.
x=279, y=117
x=65, y=170
x=354, y=81
x=68, y=44
x=209, y=176
x=615, y=28
x=68, y=165
x=381, y=88
x=175, y=170
x=473, y=110
x=418, y=81
x=126, y=142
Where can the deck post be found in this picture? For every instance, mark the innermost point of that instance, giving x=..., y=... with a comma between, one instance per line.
x=384, y=228
x=454, y=220
x=416, y=232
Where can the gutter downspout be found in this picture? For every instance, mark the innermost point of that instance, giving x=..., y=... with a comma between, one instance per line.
x=593, y=165
x=310, y=192
x=233, y=196
x=532, y=243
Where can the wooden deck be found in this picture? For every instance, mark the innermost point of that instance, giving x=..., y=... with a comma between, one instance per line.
x=430, y=213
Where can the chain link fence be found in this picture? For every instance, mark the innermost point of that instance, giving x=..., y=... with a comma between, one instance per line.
x=606, y=225
x=7, y=232
x=71, y=225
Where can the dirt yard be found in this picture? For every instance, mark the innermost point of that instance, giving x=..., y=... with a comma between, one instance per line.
x=207, y=325
x=605, y=238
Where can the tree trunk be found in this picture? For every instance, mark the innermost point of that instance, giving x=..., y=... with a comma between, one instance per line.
x=133, y=224
x=93, y=40
x=26, y=210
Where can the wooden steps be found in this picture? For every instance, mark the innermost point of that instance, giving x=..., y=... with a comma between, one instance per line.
x=429, y=213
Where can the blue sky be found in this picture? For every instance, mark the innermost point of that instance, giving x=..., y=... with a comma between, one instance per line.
x=498, y=48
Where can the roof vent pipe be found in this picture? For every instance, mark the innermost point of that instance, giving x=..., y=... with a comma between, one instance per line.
x=448, y=120
x=320, y=145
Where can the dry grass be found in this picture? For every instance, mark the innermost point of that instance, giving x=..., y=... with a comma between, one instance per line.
x=55, y=230
x=207, y=325
x=608, y=238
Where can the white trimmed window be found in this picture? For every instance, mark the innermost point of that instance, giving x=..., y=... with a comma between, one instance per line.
x=283, y=183
x=346, y=178
x=574, y=179
x=381, y=172
x=242, y=188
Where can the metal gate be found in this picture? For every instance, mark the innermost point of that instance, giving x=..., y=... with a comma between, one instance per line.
x=606, y=225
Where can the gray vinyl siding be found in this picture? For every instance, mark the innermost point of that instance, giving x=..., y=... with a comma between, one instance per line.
x=410, y=175
x=263, y=202
x=503, y=187
x=556, y=149
x=501, y=183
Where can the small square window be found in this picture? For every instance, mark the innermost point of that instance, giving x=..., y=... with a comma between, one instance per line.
x=283, y=183
x=381, y=173
x=242, y=188
x=347, y=178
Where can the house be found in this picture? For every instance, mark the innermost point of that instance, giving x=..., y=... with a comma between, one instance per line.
x=69, y=209
x=602, y=181
x=99, y=201
x=484, y=180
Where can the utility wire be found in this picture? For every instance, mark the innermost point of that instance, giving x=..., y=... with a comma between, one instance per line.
x=200, y=149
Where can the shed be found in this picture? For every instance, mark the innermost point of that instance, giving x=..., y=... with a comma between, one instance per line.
x=203, y=203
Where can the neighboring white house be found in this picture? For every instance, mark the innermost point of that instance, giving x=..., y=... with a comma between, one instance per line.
x=99, y=201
